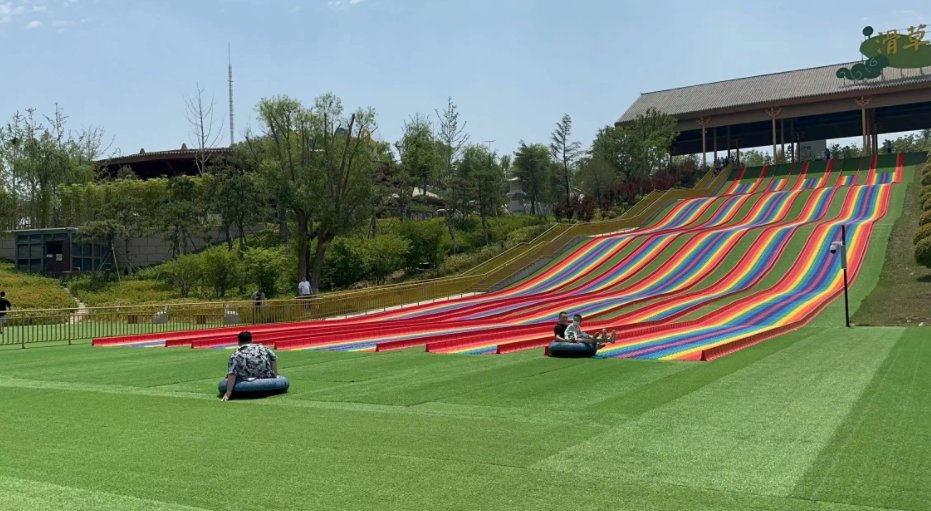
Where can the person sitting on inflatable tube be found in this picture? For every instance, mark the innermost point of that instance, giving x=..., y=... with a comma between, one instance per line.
x=560, y=329
x=249, y=361
x=574, y=333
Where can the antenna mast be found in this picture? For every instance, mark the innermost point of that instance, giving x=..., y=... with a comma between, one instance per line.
x=229, y=60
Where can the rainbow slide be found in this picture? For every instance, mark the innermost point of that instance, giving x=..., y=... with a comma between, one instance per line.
x=704, y=278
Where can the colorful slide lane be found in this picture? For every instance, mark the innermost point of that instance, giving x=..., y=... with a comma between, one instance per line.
x=662, y=286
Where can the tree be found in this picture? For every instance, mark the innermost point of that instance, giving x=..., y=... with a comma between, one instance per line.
x=596, y=179
x=754, y=158
x=234, y=194
x=484, y=185
x=418, y=161
x=205, y=129
x=451, y=138
x=566, y=153
x=534, y=169
x=36, y=158
x=185, y=272
x=222, y=270
x=286, y=155
x=104, y=232
x=181, y=213
x=638, y=150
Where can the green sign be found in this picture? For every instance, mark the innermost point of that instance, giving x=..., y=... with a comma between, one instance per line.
x=889, y=49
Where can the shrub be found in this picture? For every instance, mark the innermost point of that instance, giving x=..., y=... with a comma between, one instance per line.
x=524, y=234
x=425, y=241
x=128, y=292
x=926, y=205
x=386, y=255
x=923, y=232
x=923, y=252
x=925, y=218
x=263, y=266
x=29, y=291
x=185, y=272
x=222, y=269
x=925, y=193
x=347, y=262
x=926, y=179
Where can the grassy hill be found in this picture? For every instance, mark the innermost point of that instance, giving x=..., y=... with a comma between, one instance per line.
x=824, y=418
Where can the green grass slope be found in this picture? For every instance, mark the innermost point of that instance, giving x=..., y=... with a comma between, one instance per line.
x=902, y=295
x=824, y=418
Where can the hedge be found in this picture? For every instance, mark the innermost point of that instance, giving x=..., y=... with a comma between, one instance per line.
x=925, y=218
x=923, y=252
x=923, y=232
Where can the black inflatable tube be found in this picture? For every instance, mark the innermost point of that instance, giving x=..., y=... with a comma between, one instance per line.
x=572, y=349
x=257, y=387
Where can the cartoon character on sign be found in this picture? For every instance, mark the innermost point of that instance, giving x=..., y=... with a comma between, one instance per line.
x=890, y=49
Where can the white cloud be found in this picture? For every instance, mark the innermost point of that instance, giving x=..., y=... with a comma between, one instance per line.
x=338, y=5
x=10, y=10
x=33, y=24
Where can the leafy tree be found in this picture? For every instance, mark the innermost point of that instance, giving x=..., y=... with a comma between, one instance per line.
x=596, y=179
x=638, y=150
x=185, y=272
x=347, y=164
x=387, y=254
x=286, y=155
x=418, y=154
x=846, y=151
x=534, y=169
x=263, y=267
x=181, y=213
x=222, y=270
x=348, y=261
x=36, y=158
x=566, y=153
x=755, y=158
x=913, y=142
x=451, y=139
x=484, y=183
x=426, y=243
x=235, y=195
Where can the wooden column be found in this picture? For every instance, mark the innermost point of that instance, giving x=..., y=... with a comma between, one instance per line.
x=773, y=113
x=863, y=103
x=782, y=136
x=714, y=136
x=703, y=122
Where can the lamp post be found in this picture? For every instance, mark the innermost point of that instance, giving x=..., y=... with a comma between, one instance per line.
x=841, y=248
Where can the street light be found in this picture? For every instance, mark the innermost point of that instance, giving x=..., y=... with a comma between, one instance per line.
x=841, y=248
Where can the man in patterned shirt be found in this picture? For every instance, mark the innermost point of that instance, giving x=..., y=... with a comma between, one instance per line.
x=249, y=361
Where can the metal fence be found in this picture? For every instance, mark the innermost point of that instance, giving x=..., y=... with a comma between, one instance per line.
x=22, y=327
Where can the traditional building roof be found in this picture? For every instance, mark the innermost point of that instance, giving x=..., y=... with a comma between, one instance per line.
x=173, y=162
x=816, y=83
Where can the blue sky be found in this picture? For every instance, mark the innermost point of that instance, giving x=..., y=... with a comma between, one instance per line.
x=513, y=66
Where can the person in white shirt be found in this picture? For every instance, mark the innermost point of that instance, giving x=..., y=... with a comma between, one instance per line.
x=303, y=288
x=574, y=333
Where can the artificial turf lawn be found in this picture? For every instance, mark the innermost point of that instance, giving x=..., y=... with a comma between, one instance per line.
x=825, y=418
x=821, y=416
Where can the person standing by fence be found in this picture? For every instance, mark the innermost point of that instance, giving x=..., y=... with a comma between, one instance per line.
x=5, y=305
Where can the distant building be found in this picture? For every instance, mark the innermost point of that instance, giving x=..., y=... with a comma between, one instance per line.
x=56, y=251
x=148, y=165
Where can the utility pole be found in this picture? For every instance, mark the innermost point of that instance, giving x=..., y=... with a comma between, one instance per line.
x=229, y=60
